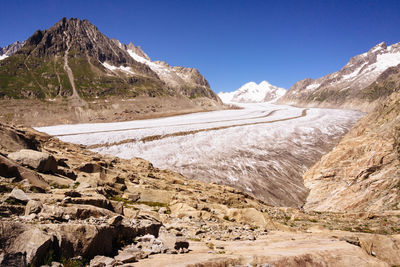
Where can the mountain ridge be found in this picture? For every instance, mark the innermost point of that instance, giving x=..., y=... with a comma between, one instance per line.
x=349, y=87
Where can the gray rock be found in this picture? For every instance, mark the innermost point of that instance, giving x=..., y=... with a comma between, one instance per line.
x=146, y=238
x=172, y=242
x=33, y=206
x=116, y=220
x=130, y=254
x=168, y=239
x=102, y=261
x=117, y=207
x=40, y=161
x=19, y=195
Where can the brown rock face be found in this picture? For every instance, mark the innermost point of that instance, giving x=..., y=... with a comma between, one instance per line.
x=362, y=173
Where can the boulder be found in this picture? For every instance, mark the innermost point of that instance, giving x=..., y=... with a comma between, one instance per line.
x=73, y=212
x=149, y=245
x=90, y=168
x=129, y=254
x=182, y=210
x=172, y=242
x=18, y=195
x=250, y=216
x=10, y=169
x=33, y=206
x=117, y=207
x=86, y=240
x=34, y=243
x=168, y=239
x=40, y=161
x=102, y=261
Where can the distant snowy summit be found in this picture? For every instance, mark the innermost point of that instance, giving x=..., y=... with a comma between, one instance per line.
x=253, y=93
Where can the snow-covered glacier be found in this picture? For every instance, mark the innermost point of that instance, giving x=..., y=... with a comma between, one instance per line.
x=262, y=149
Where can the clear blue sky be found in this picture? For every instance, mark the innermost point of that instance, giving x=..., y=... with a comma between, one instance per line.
x=230, y=42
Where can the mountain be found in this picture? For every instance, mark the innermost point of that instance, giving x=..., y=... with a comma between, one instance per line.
x=362, y=173
x=74, y=58
x=188, y=81
x=354, y=86
x=10, y=49
x=253, y=93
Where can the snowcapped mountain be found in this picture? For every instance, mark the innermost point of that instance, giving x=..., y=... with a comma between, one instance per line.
x=10, y=49
x=172, y=76
x=252, y=92
x=350, y=87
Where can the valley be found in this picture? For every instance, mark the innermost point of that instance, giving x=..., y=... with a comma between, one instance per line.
x=110, y=158
x=262, y=149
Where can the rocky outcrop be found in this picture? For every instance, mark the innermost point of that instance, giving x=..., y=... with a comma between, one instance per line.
x=362, y=173
x=351, y=87
x=40, y=161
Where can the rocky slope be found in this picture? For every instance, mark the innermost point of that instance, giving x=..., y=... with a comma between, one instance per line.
x=253, y=93
x=349, y=87
x=63, y=205
x=362, y=173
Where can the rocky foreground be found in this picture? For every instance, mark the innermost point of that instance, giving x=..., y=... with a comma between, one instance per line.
x=62, y=205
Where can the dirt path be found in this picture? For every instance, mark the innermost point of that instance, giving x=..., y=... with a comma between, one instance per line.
x=183, y=133
x=77, y=100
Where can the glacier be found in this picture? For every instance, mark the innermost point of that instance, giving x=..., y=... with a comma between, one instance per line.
x=262, y=149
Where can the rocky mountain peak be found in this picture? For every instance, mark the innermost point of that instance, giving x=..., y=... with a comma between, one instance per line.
x=137, y=50
x=81, y=37
x=11, y=49
x=381, y=45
